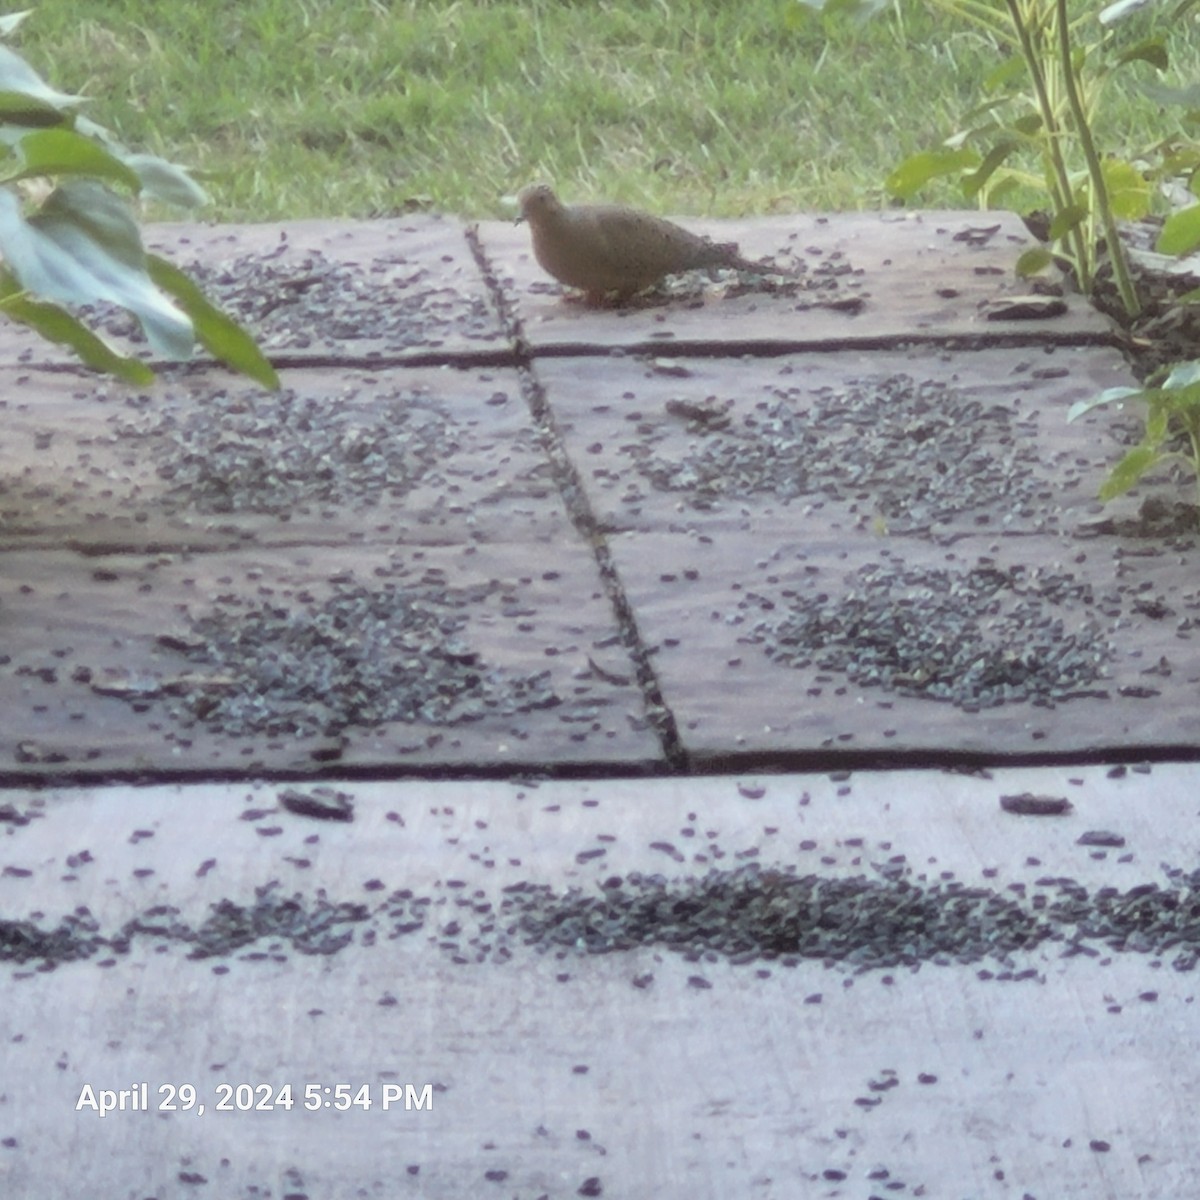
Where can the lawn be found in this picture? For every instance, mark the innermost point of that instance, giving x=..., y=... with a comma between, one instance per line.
x=293, y=108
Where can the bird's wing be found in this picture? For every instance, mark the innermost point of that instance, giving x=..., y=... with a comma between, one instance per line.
x=643, y=244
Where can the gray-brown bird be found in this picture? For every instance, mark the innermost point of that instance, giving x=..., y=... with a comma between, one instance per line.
x=603, y=248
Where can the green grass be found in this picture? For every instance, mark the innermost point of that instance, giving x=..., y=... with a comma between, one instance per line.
x=293, y=108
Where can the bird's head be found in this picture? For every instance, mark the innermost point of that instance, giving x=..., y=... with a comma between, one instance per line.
x=537, y=201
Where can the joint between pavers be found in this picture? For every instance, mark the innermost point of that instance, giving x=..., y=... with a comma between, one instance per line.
x=840, y=760
x=582, y=516
x=506, y=356
x=584, y=519
x=505, y=306
x=779, y=349
x=73, y=775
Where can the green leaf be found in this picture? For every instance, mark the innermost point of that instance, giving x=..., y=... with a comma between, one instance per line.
x=17, y=108
x=1152, y=50
x=1067, y=219
x=1180, y=232
x=57, y=325
x=65, y=152
x=1183, y=402
x=1128, y=190
x=1033, y=261
x=223, y=337
x=1003, y=186
x=1128, y=471
x=159, y=178
x=973, y=183
x=797, y=18
x=165, y=181
x=915, y=172
x=83, y=207
x=16, y=75
x=1182, y=375
x=83, y=246
x=1109, y=396
x=1158, y=421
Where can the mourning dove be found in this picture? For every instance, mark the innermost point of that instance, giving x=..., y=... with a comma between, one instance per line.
x=603, y=248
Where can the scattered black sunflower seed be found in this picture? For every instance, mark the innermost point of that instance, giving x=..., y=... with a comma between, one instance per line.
x=1026, y=804
x=974, y=638
x=362, y=657
x=290, y=298
x=741, y=916
x=1100, y=837
x=321, y=803
x=927, y=452
x=275, y=451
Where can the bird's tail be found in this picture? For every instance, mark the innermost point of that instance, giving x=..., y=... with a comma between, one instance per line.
x=727, y=254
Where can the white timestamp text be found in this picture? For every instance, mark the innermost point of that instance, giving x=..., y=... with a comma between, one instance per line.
x=255, y=1097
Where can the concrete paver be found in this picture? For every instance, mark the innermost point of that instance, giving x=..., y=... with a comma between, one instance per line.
x=864, y=277
x=108, y=669
x=199, y=462
x=747, y=669
x=1052, y=1076
x=405, y=289
x=881, y=446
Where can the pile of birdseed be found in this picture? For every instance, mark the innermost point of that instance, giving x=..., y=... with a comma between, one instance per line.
x=977, y=638
x=77, y=936
x=309, y=927
x=290, y=302
x=320, y=927
x=362, y=657
x=745, y=915
x=306, y=301
x=276, y=452
x=919, y=453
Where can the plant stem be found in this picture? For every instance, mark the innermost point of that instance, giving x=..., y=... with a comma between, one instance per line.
x=1063, y=195
x=1116, y=252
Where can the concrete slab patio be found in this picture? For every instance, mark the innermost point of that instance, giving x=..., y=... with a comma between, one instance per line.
x=480, y=725
x=704, y=519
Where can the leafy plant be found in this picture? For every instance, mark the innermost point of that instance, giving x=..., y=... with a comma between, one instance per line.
x=1178, y=156
x=1042, y=98
x=79, y=243
x=1172, y=432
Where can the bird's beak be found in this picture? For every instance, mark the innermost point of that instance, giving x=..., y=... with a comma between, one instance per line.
x=519, y=219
